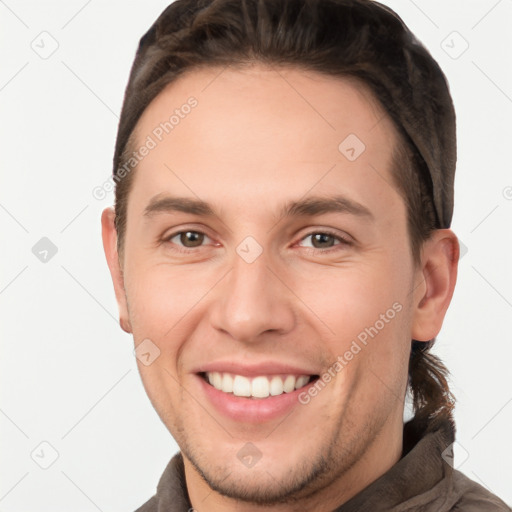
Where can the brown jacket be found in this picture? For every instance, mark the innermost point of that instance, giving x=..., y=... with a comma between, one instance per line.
x=421, y=481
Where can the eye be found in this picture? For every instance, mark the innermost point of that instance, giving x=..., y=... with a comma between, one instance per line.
x=324, y=240
x=189, y=239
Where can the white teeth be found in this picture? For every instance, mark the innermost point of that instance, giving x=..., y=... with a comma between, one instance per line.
x=276, y=386
x=227, y=383
x=289, y=384
x=258, y=387
x=301, y=381
x=241, y=386
x=217, y=380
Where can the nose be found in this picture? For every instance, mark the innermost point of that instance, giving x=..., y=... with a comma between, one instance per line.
x=253, y=300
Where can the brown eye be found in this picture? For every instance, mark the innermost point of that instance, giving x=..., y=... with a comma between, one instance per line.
x=187, y=239
x=325, y=241
x=190, y=238
x=322, y=240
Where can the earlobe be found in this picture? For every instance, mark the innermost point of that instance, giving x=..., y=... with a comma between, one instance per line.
x=109, y=236
x=438, y=272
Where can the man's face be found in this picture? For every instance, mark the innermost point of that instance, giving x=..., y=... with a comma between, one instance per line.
x=254, y=292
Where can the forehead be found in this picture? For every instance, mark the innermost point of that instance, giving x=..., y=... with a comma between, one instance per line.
x=334, y=102
x=260, y=125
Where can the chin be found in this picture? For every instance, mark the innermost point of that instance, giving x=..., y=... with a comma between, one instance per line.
x=269, y=482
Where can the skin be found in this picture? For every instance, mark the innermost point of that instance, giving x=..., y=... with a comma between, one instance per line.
x=258, y=138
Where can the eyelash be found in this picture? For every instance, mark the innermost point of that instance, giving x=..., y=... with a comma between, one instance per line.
x=343, y=241
x=188, y=250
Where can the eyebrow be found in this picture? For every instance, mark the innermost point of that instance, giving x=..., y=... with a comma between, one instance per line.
x=311, y=206
x=170, y=204
x=317, y=205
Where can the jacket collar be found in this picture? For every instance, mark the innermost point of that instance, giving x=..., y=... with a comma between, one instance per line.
x=423, y=474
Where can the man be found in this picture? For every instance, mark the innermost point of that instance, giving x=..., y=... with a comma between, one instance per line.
x=280, y=250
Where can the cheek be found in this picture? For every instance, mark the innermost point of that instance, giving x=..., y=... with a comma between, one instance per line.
x=161, y=303
x=162, y=298
x=367, y=311
x=353, y=299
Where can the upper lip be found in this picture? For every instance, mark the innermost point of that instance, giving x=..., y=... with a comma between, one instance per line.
x=254, y=370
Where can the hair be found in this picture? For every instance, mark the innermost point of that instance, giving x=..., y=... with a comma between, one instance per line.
x=352, y=39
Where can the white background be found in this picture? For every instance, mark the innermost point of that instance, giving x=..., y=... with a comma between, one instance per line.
x=68, y=375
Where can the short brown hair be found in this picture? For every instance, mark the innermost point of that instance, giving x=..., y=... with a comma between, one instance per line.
x=359, y=39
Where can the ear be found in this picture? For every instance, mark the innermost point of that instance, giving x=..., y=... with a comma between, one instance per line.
x=109, y=235
x=436, y=276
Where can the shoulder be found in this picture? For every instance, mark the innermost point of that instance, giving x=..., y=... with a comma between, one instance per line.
x=473, y=497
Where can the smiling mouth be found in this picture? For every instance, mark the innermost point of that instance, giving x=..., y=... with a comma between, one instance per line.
x=256, y=387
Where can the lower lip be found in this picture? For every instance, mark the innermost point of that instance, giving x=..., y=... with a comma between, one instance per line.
x=252, y=410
